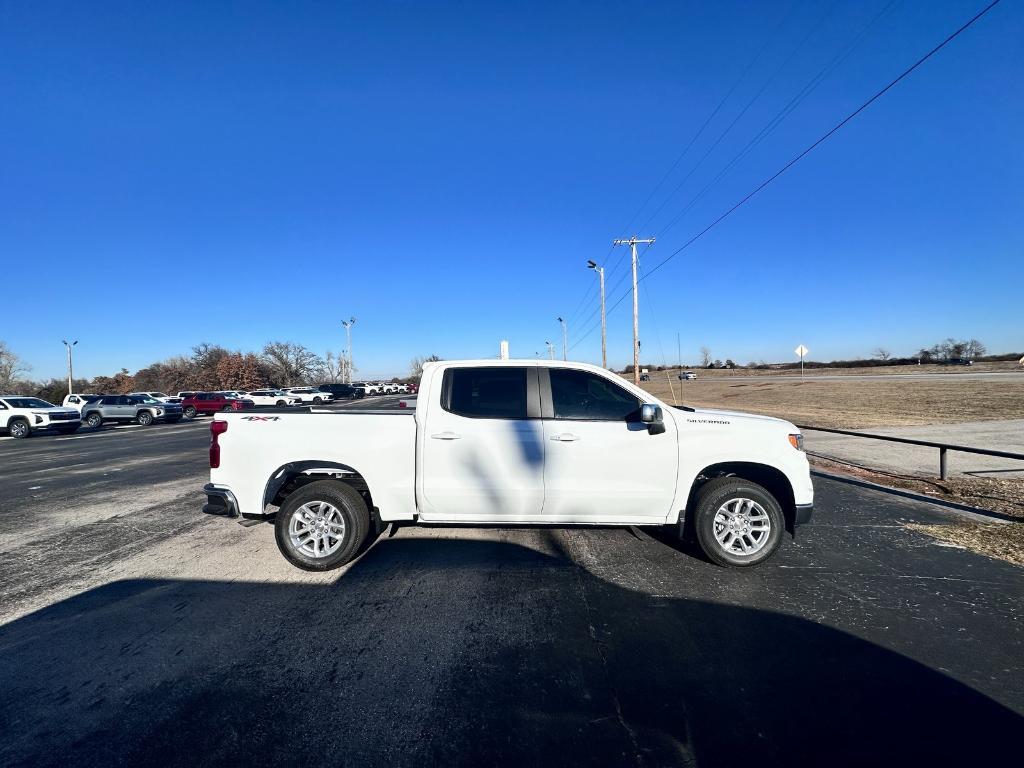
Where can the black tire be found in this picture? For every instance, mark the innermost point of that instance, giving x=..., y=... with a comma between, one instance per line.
x=190, y=412
x=317, y=400
x=225, y=409
x=712, y=497
x=281, y=404
x=144, y=418
x=94, y=420
x=353, y=512
x=19, y=428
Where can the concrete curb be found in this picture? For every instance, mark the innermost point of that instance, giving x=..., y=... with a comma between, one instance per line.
x=974, y=513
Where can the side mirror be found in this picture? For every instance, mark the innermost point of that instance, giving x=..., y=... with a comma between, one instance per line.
x=652, y=416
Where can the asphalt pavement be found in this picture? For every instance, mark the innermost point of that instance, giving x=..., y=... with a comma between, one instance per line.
x=136, y=631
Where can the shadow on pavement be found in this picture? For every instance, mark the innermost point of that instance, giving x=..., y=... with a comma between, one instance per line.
x=465, y=652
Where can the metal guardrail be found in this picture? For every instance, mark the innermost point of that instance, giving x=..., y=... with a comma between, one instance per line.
x=944, y=448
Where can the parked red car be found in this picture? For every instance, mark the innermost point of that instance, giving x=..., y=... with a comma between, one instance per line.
x=211, y=402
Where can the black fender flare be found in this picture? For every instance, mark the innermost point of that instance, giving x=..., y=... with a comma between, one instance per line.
x=280, y=476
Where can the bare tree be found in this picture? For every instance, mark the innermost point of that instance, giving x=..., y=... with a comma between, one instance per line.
x=416, y=365
x=705, y=357
x=291, y=363
x=974, y=349
x=335, y=368
x=11, y=367
x=881, y=353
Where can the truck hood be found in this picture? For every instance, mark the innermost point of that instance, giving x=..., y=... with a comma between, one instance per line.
x=716, y=416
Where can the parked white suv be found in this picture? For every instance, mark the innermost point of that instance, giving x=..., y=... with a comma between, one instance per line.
x=513, y=443
x=163, y=398
x=21, y=416
x=310, y=395
x=272, y=397
x=79, y=400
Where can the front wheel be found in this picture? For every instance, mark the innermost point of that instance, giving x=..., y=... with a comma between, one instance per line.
x=322, y=525
x=94, y=420
x=280, y=403
x=190, y=412
x=19, y=428
x=145, y=418
x=738, y=523
x=317, y=400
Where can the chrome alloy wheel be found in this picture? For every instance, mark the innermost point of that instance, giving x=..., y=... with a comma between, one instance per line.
x=316, y=529
x=742, y=527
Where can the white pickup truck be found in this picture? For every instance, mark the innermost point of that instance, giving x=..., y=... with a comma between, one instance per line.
x=512, y=443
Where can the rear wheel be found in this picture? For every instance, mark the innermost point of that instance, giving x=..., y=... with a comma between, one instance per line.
x=144, y=418
x=321, y=526
x=738, y=523
x=19, y=428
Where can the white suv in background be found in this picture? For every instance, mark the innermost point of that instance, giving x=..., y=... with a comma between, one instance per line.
x=310, y=395
x=158, y=396
x=79, y=400
x=272, y=397
x=21, y=416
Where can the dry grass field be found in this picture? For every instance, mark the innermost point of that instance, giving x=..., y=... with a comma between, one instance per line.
x=854, y=404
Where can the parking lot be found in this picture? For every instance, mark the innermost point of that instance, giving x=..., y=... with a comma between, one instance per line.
x=138, y=631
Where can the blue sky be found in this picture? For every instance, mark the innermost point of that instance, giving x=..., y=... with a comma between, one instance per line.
x=245, y=172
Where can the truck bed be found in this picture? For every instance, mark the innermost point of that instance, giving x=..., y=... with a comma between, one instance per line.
x=377, y=444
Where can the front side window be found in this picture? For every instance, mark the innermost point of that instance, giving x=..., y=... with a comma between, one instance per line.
x=110, y=400
x=487, y=393
x=584, y=395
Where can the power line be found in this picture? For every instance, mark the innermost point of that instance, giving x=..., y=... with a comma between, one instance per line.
x=781, y=115
x=700, y=131
x=823, y=138
x=803, y=154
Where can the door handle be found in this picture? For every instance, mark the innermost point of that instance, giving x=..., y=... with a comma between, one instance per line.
x=565, y=437
x=446, y=436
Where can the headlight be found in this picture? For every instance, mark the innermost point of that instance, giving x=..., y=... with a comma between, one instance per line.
x=159, y=411
x=797, y=441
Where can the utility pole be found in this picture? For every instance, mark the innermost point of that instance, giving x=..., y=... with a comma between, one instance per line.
x=565, y=339
x=551, y=350
x=679, y=352
x=348, y=334
x=636, y=304
x=604, y=328
x=69, y=346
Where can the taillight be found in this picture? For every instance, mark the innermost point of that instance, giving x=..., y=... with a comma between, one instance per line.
x=217, y=428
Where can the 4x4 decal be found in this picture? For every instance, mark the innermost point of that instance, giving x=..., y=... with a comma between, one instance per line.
x=260, y=418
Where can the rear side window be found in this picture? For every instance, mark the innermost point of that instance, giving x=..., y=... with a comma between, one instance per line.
x=487, y=393
x=584, y=395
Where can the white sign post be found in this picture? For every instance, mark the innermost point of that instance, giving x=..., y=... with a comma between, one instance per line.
x=801, y=351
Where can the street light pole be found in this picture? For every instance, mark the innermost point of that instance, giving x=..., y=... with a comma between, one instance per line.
x=348, y=337
x=565, y=339
x=636, y=304
x=604, y=327
x=70, y=372
x=551, y=350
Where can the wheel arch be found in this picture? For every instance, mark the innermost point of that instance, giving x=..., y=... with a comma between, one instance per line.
x=772, y=479
x=291, y=476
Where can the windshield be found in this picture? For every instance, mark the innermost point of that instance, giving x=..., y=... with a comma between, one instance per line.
x=28, y=402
